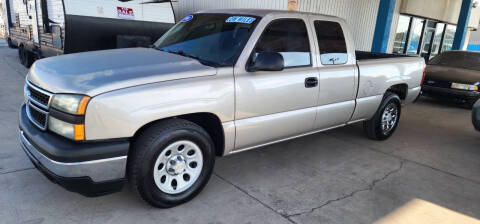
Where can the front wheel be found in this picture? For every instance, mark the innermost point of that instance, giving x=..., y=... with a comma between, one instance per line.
x=386, y=119
x=171, y=162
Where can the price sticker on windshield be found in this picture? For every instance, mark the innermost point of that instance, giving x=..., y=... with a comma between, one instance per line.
x=240, y=19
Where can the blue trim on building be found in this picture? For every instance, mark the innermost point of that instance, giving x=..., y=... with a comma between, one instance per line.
x=473, y=47
x=384, y=24
x=462, y=25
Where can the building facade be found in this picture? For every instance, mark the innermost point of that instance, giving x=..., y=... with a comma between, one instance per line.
x=422, y=27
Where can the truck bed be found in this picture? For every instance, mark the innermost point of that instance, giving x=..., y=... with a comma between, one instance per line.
x=365, y=55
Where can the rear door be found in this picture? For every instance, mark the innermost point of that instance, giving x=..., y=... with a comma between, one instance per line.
x=274, y=105
x=338, y=73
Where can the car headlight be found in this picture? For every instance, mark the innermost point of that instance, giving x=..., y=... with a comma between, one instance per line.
x=71, y=131
x=464, y=86
x=66, y=124
x=70, y=103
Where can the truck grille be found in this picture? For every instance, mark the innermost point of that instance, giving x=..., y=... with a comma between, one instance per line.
x=38, y=96
x=38, y=101
x=37, y=116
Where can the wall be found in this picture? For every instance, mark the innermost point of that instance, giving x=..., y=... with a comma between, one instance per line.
x=474, y=43
x=2, y=21
x=361, y=15
x=442, y=10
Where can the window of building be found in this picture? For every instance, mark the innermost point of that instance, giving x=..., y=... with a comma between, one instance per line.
x=331, y=42
x=437, y=39
x=415, y=35
x=289, y=37
x=401, y=35
x=449, y=36
x=424, y=37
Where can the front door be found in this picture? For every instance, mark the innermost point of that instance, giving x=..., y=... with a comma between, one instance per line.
x=272, y=106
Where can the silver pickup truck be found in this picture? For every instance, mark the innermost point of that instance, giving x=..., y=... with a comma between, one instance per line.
x=218, y=82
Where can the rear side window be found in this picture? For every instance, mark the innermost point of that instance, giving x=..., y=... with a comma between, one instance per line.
x=289, y=37
x=331, y=41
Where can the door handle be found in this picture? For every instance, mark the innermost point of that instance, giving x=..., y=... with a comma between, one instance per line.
x=311, y=82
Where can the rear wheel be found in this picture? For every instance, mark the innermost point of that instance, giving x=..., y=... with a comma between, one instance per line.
x=10, y=44
x=21, y=54
x=385, y=120
x=171, y=162
x=29, y=58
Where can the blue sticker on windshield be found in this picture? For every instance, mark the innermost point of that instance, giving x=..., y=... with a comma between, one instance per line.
x=240, y=19
x=187, y=18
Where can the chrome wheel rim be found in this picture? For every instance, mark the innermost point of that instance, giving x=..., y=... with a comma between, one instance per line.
x=389, y=117
x=178, y=167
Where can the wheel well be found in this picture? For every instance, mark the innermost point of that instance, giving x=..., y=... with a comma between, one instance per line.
x=400, y=89
x=208, y=121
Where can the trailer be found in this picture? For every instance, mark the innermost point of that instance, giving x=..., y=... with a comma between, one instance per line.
x=45, y=28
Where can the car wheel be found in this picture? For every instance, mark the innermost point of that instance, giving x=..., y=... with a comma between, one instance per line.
x=171, y=162
x=385, y=120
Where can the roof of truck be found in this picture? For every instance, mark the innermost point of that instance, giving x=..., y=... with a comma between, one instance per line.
x=260, y=12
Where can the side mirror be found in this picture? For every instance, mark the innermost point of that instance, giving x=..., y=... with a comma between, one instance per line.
x=266, y=61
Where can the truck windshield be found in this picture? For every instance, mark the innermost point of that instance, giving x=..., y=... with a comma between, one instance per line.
x=213, y=39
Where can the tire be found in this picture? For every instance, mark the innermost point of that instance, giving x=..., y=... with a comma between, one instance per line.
x=10, y=44
x=21, y=54
x=375, y=128
x=150, y=162
x=29, y=58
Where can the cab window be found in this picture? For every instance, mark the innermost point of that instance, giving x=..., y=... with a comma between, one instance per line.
x=288, y=37
x=331, y=41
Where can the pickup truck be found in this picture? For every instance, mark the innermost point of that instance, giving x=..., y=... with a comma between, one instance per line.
x=219, y=82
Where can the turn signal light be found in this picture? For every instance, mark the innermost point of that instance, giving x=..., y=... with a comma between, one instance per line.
x=82, y=107
x=79, y=132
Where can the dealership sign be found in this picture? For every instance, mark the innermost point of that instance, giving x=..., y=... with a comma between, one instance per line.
x=125, y=13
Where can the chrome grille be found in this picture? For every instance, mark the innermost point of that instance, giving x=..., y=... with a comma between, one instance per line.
x=38, y=101
x=37, y=116
x=38, y=96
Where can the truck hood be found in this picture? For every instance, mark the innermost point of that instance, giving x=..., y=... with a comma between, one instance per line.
x=451, y=74
x=97, y=72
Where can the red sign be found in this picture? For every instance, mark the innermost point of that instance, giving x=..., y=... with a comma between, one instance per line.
x=125, y=13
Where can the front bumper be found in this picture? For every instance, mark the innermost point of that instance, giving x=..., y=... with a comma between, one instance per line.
x=90, y=168
x=450, y=93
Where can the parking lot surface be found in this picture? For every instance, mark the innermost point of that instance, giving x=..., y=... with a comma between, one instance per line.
x=338, y=176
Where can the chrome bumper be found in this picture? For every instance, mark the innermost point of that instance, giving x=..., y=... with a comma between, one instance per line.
x=98, y=170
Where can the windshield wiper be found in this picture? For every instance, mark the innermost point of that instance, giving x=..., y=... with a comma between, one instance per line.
x=182, y=53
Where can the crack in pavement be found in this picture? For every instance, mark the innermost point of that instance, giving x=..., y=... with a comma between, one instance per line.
x=369, y=188
x=19, y=170
x=251, y=196
x=412, y=161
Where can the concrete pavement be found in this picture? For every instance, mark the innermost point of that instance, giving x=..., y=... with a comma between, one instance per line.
x=334, y=177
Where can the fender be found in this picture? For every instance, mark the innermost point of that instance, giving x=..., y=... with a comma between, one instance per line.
x=120, y=113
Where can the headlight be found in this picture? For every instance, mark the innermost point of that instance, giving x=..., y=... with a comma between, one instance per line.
x=72, y=105
x=71, y=131
x=464, y=86
x=69, y=103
